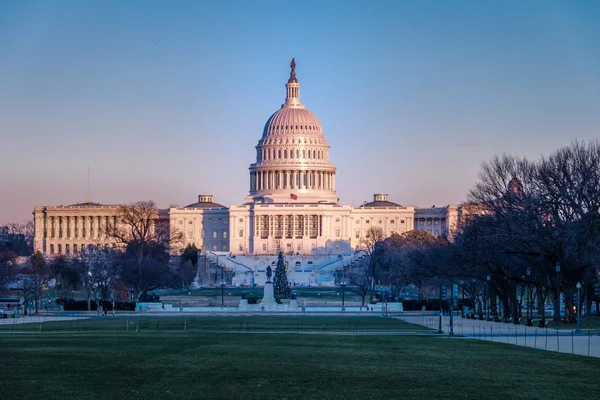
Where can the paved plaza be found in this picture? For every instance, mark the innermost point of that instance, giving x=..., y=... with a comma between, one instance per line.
x=568, y=341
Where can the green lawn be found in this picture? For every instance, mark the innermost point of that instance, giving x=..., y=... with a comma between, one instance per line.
x=196, y=364
x=242, y=323
x=232, y=295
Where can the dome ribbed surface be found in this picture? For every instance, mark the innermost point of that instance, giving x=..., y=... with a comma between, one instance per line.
x=291, y=120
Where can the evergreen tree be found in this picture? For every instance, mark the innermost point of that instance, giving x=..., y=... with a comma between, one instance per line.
x=281, y=286
x=190, y=253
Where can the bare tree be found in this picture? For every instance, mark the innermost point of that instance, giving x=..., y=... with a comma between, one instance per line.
x=35, y=276
x=360, y=279
x=101, y=269
x=146, y=240
x=373, y=237
x=537, y=216
x=7, y=265
x=21, y=235
x=68, y=275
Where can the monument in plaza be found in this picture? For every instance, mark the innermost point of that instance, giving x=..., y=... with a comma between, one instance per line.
x=268, y=297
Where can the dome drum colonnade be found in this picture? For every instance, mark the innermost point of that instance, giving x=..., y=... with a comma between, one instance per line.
x=291, y=179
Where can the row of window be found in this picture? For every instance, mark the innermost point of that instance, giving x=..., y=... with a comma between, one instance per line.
x=59, y=248
x=275, y=128
x=268, y=154
x=422, y=222
x=84, y=233
x=214, y=221
x=60, y=221
x=289, y=226
x=215, y=234
x=84, y=224
x=368, y=221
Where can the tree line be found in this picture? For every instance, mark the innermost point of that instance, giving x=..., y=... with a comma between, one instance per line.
x=529, y=230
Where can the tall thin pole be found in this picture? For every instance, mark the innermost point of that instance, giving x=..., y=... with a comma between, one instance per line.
x=558, y=294
x=440, y=321
x=89, y=193
x=452, y=311
x=578, y=308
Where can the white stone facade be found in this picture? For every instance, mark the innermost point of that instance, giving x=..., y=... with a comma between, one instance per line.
x=204, y=224
x=68, y=230
x=292, y=205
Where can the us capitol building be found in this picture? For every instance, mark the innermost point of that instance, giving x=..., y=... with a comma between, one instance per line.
x=291, y=206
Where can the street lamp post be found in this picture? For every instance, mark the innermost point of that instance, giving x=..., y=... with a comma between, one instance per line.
x=489, y=295
x=441, y=313
x=451, y=309
x=222, y=294
x=578, y=330
x=529, y=300
x=558, y=292
x=462, y=306
x=343, y=285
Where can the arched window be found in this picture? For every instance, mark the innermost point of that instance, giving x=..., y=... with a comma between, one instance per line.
x=303, y=153
x=279, y=154
x=75, y=248
x=285, y=154
x=67, y=249
x=314, y=154
x=60, y=249
x=297, y=153
x=51, y=249
x=309, y=154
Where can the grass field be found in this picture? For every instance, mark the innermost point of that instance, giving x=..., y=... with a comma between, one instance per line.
x=107, y=363
x=212, y=296
x=236, y=324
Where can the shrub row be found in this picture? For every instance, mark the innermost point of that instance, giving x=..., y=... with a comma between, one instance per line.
x=81, y=305
x=431, y=305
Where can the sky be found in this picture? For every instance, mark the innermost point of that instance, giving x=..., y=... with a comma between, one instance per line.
x=164, y=100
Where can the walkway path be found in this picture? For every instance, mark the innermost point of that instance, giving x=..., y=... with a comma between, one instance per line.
x=586, y=343
x=36, y=319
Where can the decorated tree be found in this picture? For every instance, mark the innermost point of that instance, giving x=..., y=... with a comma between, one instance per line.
x=281, y=286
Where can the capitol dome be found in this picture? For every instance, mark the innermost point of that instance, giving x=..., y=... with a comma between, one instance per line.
x=292, y=156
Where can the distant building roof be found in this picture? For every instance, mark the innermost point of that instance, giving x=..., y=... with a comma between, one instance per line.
x=205, y=201
x=86, y=204
x=380, y=200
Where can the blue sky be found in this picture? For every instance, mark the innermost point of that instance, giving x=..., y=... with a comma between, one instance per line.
x=166, y=100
